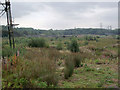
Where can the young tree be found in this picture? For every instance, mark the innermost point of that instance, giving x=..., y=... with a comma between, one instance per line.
x=59, y=46
x=74, y=47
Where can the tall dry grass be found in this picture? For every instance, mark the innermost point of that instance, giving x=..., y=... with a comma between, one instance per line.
x=69, y=67
x=40, y=63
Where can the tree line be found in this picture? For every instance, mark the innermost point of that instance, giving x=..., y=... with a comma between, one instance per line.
x=19, y=32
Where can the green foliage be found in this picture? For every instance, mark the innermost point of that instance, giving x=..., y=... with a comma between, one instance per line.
x=101, y=82
x=23, y=82
x=47, y=45
x=35, y=64
x=43, y=66
x=86, y=43
x=68, y=45
x=51, y=39
x=117, y=37
x=74, y=47
x=42, y=85
x=96, y=61
x=97, y=40
x=81, y=65
x=53, y=43
x=87, y=68
x=69, y=67
x=40, y=61
x=15, y=83
x=38, y=42
x=7, y=51
x=59, y=46
x=59, y=63
x=77, y=60
x=85, y=65
x=31, y=32
x=91, y=38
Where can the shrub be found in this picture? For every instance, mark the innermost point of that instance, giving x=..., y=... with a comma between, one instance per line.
x=23, y=82
x=74, y=47
x=68, y=45
x=38, y=43
x=41, y=65
x=15, y=82
x=36, y=64
x=59, y=63
x=91, y=47
x=81, y=65
x=47, y=45
x=53, y=54
x=59, y=46
x=90, y=38
x=97, y=40
x=51, y=39
x=53, y=43
x=86, y=65
x=7, y=52
x=86, y=43
x=77, y=60
x=42, y=85
x=39, y=84
x=86, y=68
x=69, y=67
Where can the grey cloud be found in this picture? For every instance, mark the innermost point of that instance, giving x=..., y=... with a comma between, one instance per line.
x=67, y=8
x=67, y=13
x=20, y=9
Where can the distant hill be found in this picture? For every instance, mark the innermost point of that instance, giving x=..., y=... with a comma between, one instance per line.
x=18, y=32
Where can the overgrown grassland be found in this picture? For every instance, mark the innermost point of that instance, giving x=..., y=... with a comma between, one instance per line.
x=54, y=65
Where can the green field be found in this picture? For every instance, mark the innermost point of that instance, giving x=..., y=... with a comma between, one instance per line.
x=51, y=62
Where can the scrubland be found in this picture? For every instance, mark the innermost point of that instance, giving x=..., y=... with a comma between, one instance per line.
x=66, y=62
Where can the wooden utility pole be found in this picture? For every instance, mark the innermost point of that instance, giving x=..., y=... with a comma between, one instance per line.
x=9, y=23
x=7, y=9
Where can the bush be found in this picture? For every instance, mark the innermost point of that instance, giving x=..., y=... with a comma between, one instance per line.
x=68, y=45
x=15, y=83
x=23, y=82
x=74, y=47
x=38, y=43
x=36, y=64
x=41, y=65
x=97, y=61
x=59, y=46
x=42, y=85
x=69, y=67
x=90, y=38
x=86, y=68
x=7, y=52
x=77, y=60
x=86, y=43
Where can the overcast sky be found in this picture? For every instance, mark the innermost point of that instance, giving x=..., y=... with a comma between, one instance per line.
x=63, y=15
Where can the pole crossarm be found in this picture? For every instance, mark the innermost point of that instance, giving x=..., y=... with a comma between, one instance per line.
x=2, y=14
x=7, y=9
x=2, y=10
x=3, y=4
